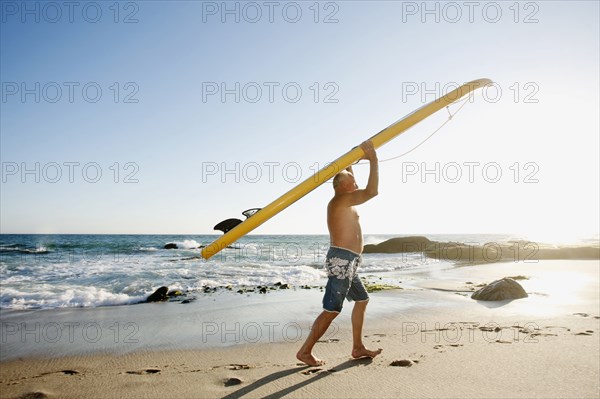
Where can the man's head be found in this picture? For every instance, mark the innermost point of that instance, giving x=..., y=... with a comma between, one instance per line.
x=344, y=182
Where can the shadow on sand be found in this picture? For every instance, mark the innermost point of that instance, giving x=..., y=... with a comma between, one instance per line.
x=495, y=304
x=284, y=373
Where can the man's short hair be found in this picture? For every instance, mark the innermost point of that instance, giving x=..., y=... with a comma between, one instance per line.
x=339, y=178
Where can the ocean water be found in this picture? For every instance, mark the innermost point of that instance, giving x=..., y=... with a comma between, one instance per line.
x=57, y=271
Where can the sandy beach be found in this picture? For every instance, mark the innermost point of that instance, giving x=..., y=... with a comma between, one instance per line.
x=436, y=341
x=185, y=185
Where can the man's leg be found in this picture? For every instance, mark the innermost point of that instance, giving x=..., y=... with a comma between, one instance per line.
x=358, y=318
x=319, y=327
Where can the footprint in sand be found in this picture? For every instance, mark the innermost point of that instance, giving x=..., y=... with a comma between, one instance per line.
x=141, y=372
x=34, y=395
x=585, y=315
x=238, y=367
x=66, y=372
x=491, y=329
x=232, y=381
x=329, y=341
x=402, y=363
x=311, y=371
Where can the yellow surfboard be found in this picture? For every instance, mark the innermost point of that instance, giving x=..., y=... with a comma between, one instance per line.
x=336, y=166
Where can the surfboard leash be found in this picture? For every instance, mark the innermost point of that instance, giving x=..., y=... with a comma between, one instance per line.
x=450, y=116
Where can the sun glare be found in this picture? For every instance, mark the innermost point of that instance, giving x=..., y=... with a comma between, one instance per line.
x=559, y=237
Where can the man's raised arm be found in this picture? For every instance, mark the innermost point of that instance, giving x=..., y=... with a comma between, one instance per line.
x=370, y=154
x=361, y=196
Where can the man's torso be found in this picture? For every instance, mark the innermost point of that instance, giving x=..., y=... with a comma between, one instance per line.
x=344, y=226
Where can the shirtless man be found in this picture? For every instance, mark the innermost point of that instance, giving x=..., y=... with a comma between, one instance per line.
x=343, y=259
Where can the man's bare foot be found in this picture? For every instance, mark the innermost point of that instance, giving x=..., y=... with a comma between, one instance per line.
x=357, y=353
x=309, y=359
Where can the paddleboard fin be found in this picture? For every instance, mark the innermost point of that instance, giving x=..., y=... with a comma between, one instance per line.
x=250, y=212
x=229, y=224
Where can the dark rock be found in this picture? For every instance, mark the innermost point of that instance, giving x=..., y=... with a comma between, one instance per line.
x=263, y=290
x=171, y=245
x=207, y=289
x=567, y=253
x=284, y=286
x=500, y=290
x=453, y=251
x=174, y=293
x=277, y=283
x=487, y=253
x=399, y=244
x=158, y=295
x=185, y=301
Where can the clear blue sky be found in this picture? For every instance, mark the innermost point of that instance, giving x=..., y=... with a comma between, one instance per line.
x=544, y=57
